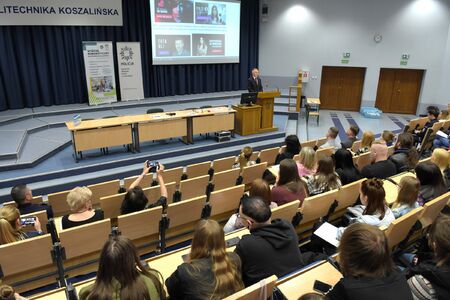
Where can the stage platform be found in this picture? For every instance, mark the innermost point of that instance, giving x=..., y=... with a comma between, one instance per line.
x=36, y=146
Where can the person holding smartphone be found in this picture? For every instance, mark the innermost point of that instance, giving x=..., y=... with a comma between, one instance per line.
x=135, y=199
x=11, y=227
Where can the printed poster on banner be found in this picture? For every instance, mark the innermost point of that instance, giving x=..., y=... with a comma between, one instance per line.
x=130, y=71
x=99, y=65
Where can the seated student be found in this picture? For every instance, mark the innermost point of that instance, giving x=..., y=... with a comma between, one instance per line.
x=210, y=272
x=325, y=178
x=432, y=114
x=271, y=248
x=22, y=195
x=351, y=133
x=405, y=156
x=381, y=167
x=244, y=158
x=345, y=168
x=8, y=293
x=366, y=142
x=259, y=188
x=430, y=278
x=408, y=193
x=293, y=147
x=387, y=137
x=331, y=139
x=367, y=267
x=443, y=115
x=441, y=158
x=306, y=163
x=11, y=226
x=79, y=200
x=432, y=183
x=135, y=199
x=121, y=275
x=373, y=209
x=288, y=187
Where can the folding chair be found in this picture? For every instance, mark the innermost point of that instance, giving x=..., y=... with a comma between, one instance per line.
x=225, y=202
x=268, y=155
x=286, y=211
x=196, y=170
x=225, y=179
x=194, y=187
x=223, y=164
x=251, y=173
x=398, y=230
x=103, y=189
x=260, y=290
x=58, y=201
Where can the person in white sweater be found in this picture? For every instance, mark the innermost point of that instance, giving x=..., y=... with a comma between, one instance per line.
x=373, y=209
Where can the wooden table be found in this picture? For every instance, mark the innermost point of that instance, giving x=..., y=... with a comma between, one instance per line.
x=131, y=130
x=304, y=282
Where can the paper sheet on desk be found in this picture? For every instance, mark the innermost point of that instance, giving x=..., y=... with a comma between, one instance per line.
x=441, y=134
x=329, y=233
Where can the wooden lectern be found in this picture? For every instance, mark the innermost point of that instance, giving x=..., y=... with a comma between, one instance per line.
x=266, y=101
x=248, y=119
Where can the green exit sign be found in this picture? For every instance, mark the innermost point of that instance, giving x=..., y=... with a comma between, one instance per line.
x=403, y=62
x=344, y=61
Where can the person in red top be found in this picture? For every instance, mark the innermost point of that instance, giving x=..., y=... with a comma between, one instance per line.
x=289, y=187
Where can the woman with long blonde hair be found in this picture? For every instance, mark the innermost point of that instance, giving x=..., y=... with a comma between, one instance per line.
x=366, y=142
x=11, y=227
x=209, y=272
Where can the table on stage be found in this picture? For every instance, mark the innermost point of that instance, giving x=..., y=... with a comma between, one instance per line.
x=132, y=130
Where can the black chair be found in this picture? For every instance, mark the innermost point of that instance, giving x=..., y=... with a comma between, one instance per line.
x=154, y=110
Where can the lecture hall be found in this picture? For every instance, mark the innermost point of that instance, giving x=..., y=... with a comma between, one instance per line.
x=224, y=149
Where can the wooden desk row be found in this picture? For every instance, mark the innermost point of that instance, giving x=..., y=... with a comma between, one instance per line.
x=132, y=130
x=292, y=287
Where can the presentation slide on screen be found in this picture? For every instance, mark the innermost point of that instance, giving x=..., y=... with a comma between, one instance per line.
x=195, y=31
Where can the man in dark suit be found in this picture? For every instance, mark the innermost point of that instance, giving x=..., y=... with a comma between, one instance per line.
x=254, y=82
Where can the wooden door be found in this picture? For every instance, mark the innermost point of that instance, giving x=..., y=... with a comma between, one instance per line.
x=342, y=87
x=399, y=90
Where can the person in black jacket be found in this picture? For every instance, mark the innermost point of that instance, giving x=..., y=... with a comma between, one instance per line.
x=381, y=167
x=272, y=246
x=22, y=195
x=345, y=168
x=367, y=267
x=405, y=156
x=254, y=82
x=293, y=148
x=433, y=114
x=209, y=272
x=430, y=278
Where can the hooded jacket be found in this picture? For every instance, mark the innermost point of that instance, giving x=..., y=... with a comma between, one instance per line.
x=269, y=250
x=439, y=277
x=392, y=287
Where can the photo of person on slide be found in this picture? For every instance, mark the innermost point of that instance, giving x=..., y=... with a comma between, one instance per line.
x=208, y=13
x=202, y=48
x=174, y=11
x=179, y=49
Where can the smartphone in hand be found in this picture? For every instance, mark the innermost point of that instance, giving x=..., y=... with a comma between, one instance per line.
x=28, y=221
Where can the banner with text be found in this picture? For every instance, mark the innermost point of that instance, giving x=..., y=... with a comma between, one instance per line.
x=99, y=65
x=61, y=12
x=130, y=71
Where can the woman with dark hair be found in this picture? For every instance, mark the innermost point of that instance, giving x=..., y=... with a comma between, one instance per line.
x=405, y=155
x=325, y=178
x=432, y=183
x=373, y=209
x=135, y=199
x=214, y=17
x=345, y=168
x=293, y=147
x=289, y=187
x=121, y=275
x=367, y=267
x=430, y=278
x=210, y=272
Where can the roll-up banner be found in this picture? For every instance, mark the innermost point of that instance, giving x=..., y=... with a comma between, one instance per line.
x=61, y=12
x=130, y=70
x=99, y=65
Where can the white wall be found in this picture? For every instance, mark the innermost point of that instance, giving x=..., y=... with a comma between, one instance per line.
x=307, y=34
